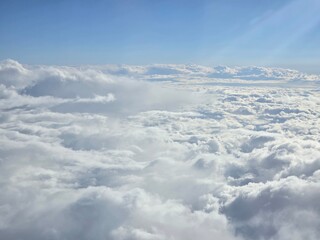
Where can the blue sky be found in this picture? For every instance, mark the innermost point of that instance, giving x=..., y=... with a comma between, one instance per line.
x=283, y=33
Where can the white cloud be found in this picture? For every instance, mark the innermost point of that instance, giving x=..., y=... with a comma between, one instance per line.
x=104, y=152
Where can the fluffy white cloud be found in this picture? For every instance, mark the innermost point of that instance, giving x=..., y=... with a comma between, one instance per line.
x=158, y=152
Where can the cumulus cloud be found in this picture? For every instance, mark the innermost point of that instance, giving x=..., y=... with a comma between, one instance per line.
x=158, y=152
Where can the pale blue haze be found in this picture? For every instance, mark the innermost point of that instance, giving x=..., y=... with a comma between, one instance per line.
x=284, y=33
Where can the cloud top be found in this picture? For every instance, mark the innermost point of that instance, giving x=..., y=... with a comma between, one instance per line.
x=158, y=152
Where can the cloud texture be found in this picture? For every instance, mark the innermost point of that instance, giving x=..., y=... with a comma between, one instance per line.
x=158, y=152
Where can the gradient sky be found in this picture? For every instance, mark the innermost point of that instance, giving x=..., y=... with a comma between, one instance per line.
x=284, y=33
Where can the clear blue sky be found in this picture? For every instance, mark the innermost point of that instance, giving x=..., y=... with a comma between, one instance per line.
x=282, y=33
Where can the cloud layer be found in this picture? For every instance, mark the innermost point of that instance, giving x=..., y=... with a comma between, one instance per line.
x=158, y=152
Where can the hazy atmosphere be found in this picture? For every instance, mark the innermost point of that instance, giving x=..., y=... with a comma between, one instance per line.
x=160, y=120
